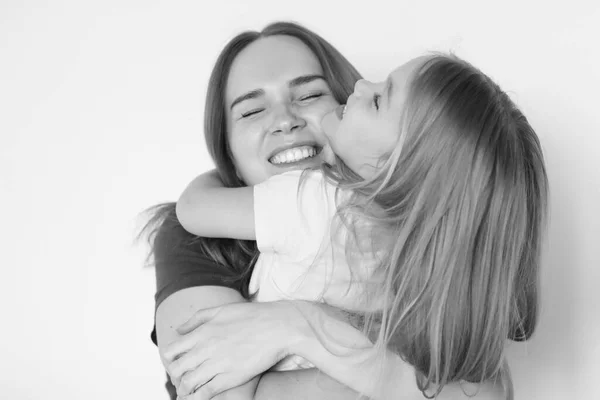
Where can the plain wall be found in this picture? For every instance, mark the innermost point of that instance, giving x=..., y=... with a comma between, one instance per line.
x=101, y=108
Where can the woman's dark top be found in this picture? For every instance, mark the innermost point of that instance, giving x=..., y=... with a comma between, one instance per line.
x=179, y=264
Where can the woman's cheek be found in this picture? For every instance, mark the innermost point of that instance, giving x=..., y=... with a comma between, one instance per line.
x=329, y=106
x=320, y=112
x=316, y=111
x=245, y=135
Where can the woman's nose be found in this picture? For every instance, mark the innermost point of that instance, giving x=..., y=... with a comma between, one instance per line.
x=286, y=120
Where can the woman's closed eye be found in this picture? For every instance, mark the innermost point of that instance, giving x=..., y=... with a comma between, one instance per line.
x=376, y=98
x=306, y=99
x=250, y=113
x=311, y=97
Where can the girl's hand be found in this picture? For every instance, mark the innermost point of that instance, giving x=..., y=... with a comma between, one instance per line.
x=224, y=347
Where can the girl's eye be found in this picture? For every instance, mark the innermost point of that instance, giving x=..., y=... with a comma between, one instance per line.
x=311, y=97
x=252, y=112
x=376, y=98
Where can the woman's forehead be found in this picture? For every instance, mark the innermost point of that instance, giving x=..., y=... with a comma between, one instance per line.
x=270, y=62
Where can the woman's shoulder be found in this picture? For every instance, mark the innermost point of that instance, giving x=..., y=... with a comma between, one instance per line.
x=182, y=259
x=169, y=239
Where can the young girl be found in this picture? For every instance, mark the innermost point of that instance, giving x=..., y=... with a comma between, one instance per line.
x=428, y=225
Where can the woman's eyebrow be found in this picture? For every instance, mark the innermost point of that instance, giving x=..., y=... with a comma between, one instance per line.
x=253, y=94
x=304, y=79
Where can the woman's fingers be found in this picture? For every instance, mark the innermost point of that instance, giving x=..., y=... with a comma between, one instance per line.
x=209, y=390
x=199, y=318
x=176, y=350
x=193, y=381
x=186, y=364
x=181, y=346
x=242, y=340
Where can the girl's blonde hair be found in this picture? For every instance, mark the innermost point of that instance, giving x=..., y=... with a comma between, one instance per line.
x=463, y=204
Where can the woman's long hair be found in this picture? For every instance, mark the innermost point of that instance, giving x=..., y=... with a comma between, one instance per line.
x=238, y=256
x=463, y=203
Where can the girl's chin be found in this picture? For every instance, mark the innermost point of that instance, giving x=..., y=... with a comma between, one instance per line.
x=327, y=154
x=330, y=124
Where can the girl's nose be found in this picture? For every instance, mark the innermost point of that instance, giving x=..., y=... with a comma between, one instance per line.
x=362, y=87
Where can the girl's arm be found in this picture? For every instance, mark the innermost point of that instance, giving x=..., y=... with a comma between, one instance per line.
x=209, y=209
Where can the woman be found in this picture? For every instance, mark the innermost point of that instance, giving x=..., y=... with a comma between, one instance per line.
x=252, y=172
x=195, y=273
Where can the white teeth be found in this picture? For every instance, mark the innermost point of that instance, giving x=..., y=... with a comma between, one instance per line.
x=293, y=155
x=344, y=110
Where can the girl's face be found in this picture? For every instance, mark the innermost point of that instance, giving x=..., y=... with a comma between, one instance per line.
x=368, y=127
x=276, y=97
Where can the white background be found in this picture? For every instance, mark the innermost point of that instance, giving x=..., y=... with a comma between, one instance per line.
x=101, y=116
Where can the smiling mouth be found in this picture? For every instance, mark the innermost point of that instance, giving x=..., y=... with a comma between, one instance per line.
x=295, y=154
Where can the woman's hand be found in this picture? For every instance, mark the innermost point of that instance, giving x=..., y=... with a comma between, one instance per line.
x=226, y=346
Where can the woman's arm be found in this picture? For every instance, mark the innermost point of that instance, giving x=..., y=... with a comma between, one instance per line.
x=209, y=209
x=180, y=306
x=230, y=336
x=188, y=281
x=292, y=385
x=305, y=384
x=236, y=331
x=340, y=350
x=343, y=352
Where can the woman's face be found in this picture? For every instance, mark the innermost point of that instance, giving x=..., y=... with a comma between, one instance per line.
x=275, y=97
x=367, y=128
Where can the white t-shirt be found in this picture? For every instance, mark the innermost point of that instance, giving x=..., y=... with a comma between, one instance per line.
x=302, y=245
